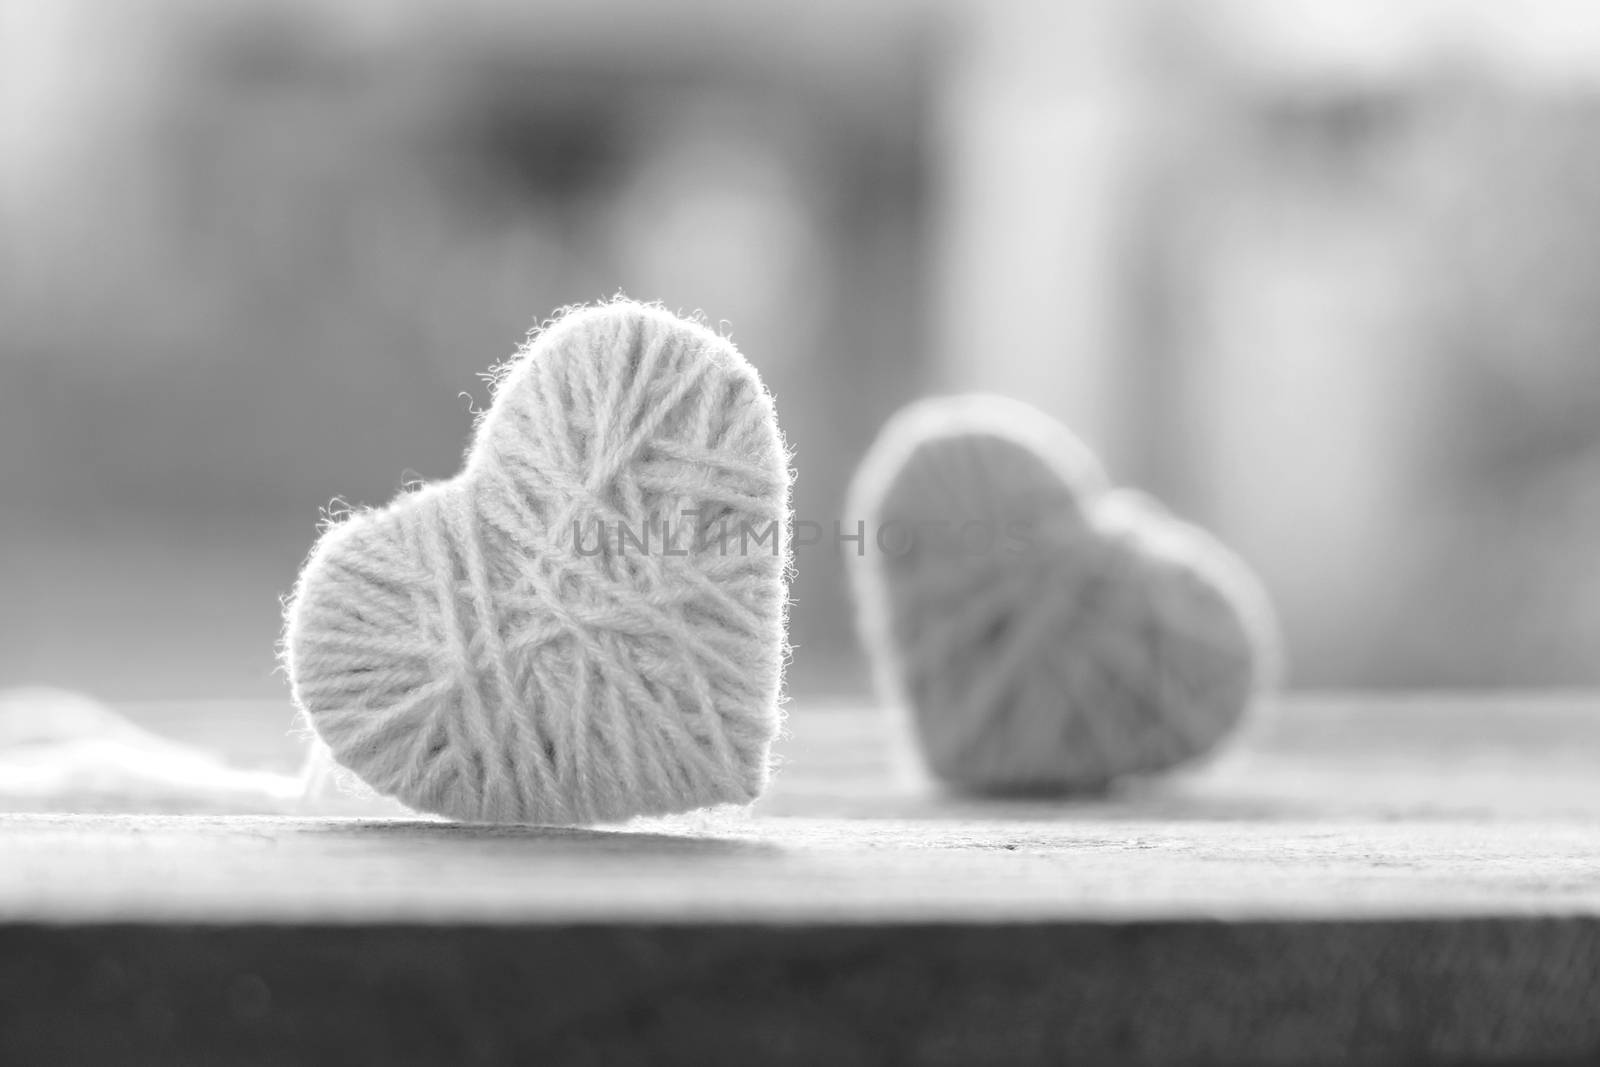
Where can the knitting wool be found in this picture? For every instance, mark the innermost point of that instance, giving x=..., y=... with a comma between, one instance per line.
x=570, y=630
x=1043, y=631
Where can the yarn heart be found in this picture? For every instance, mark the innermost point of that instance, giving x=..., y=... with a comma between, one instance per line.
x=587, y=622
x=1043, y=631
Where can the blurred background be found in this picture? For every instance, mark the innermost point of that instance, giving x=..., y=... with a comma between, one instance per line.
x=1324, y=276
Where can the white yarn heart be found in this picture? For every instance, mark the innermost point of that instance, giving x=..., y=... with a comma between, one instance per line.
x=1044, y=632
x=587, y=622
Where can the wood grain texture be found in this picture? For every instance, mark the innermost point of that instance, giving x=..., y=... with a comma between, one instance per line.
x=1365, y=880
x=1175, y=992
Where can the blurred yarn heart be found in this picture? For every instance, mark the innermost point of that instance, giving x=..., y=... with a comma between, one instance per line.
x=1044, y=632
x=562, y=633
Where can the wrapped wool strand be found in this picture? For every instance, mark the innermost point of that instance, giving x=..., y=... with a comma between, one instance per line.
x=1043, y=632
x=560, y=634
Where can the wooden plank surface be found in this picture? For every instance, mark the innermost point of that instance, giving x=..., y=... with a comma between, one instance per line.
x=1367, y=880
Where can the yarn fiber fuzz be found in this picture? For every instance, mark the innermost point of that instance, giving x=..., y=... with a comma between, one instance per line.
x=557, y=635
x=1043, y=631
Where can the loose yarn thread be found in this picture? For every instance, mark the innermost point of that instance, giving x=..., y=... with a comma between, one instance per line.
x=1094, y=637
x=497, y=647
